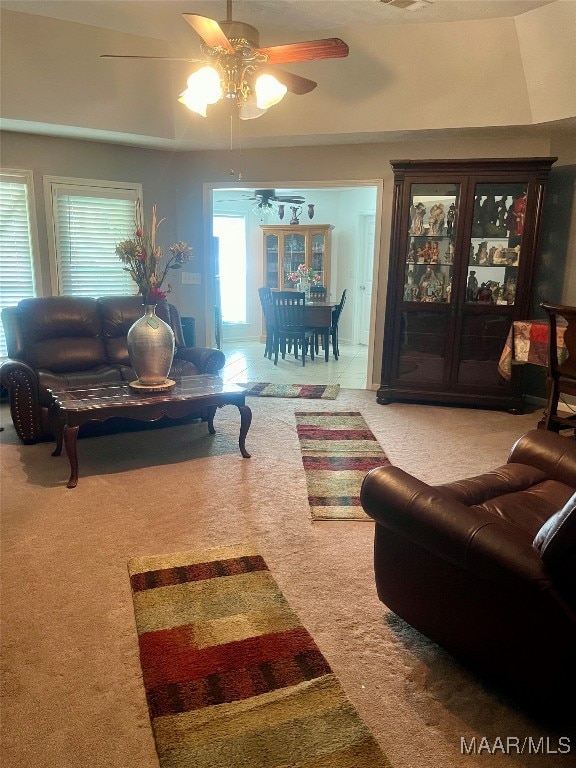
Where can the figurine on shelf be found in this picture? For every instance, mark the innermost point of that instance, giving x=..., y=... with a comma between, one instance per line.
x=510, y=290
x=481, y=257
x=501, y=214
x=431, y=285
x=450, y=219
x=498, y=256
x=472, y=287
x=488, y=213
x=449, y=290
x=409, y=286
x=516, y=213
x=427, y=252
x=476, y=218
x=435, y=253
x=485, y=294
x=501, y=295
x=436, y=219
x=512, y=256
x=417, y=213
x=449, y=253
x=411, y=259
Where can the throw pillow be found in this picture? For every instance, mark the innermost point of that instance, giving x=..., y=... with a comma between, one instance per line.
x=556, y=540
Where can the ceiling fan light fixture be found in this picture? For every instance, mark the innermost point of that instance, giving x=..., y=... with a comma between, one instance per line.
x=249, y=109
x=204, y=87
x=269, y=91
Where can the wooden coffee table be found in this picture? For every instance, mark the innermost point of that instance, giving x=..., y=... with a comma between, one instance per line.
x=73, y=407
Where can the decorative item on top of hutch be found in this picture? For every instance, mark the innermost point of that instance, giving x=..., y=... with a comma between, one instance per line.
x=288, y=246
x=463, y=253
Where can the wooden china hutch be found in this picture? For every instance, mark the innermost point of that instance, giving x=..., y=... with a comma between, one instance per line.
x=287, y=246
x=462, y=259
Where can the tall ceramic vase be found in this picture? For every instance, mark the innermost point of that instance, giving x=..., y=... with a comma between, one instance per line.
x=151, y=349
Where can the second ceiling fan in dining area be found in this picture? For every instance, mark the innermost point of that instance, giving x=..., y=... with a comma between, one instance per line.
x=237, y=68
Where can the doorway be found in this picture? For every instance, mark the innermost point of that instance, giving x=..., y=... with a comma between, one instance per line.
x=351, y=207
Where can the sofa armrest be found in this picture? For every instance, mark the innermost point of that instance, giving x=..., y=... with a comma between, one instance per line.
x=206, y=359
x=548, y=451
x=470, y=538
x=21, y=382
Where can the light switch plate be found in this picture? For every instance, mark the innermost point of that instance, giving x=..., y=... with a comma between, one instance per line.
x=191, y=278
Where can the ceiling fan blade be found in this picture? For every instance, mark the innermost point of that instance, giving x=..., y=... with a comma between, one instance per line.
x=158, y=58
x=329, y=48
x=295, y=83
x=209, y=30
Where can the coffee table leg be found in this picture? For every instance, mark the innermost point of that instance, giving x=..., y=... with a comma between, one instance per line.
x=211, y=411
x=70, y=441
x=245, y=421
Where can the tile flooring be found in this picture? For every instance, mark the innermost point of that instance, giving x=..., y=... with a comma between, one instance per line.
x=246, y=362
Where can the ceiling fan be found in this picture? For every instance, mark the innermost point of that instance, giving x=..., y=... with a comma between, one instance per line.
x=237, y=68
x=266, y=197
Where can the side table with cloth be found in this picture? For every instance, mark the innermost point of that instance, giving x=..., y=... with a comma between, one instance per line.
x=527, y=342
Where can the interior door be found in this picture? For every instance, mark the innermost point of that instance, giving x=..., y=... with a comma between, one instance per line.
x=363, y=298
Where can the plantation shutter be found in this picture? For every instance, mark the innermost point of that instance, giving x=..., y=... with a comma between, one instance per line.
x=88, y=224
x=16, y=257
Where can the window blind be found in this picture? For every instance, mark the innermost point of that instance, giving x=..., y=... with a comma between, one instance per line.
x=16, y=265
x=87, y=228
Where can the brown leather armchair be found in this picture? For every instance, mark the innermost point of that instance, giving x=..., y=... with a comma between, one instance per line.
x=459, y=563
x=65, y=342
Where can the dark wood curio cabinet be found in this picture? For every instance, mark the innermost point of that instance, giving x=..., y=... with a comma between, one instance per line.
x=462, y=258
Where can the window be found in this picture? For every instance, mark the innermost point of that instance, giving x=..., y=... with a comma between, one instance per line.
x=88, y=219
x=231, y=234
x=17, y=241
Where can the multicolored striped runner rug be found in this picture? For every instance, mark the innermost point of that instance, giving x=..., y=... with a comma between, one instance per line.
x=307, y=391
x=232, y=678
x=338, y=450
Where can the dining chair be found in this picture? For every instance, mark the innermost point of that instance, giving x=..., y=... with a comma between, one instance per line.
x=561, y=375
x=265, y=294
x=336, y=312
x=290, y=325
x=318, y=293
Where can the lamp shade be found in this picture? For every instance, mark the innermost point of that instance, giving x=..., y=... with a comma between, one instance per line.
x=249, y=109
x=269, y=91
x=204, y=87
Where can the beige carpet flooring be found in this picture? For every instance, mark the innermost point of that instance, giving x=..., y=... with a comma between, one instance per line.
x=72, y=690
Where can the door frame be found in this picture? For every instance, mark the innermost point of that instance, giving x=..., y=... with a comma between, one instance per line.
x=209, y=263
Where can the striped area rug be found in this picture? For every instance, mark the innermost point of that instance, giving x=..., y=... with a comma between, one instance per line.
x=338, y=449
x=306, y=391
x=232, y=678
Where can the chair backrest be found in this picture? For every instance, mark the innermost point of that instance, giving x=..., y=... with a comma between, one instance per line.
x=265, y=295
x=318, y=292
x=337, y=311
x=564, y=368
x=289, y=310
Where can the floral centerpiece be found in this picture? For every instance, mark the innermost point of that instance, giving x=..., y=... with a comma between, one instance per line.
x=305, y=273
x=144, y=258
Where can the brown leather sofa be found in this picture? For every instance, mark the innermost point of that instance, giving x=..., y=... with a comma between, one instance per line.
x=486, y=566
x=64, y=341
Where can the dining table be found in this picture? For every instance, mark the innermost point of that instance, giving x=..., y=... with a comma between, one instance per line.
x=318, y=315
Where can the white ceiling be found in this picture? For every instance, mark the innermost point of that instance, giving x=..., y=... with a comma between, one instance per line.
x=162, y=18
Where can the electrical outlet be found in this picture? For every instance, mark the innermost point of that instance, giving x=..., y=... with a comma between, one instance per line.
x=191, y=278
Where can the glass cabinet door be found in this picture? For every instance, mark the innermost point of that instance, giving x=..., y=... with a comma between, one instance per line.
x=430, y=244
x=495, y=245
x=317, y=256
x=271, y=263
x=294, y=255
